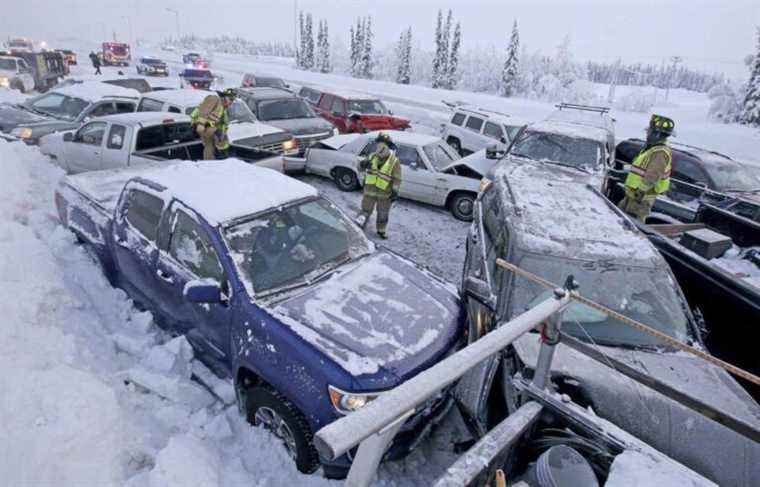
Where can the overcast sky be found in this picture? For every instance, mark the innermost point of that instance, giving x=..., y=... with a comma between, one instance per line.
x=708, y=33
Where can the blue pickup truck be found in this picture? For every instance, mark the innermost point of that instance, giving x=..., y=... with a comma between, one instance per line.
x=275, y=288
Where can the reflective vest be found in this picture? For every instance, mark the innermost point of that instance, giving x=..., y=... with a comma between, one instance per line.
x=639, y=169
x=217, y=118
x=380, y=177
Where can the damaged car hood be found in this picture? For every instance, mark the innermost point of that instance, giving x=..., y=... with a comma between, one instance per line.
x=477, y=161
x=381, y=315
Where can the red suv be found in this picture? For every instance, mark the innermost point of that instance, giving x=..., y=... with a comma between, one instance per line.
x=358, y=113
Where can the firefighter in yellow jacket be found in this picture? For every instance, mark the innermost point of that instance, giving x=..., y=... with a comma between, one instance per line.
x=211, y=121
x=649, y=176
x=381, y=184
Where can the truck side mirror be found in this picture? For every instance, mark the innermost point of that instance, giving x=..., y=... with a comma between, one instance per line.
x=68, y=137
x=480, y=291
x=203, y=291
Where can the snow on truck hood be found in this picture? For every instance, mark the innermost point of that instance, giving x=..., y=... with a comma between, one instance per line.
x=381, y=313
x=244, y=130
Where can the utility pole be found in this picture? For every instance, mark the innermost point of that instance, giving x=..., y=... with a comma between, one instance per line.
x=176, y=17
x=131, y=32
x=675, y=60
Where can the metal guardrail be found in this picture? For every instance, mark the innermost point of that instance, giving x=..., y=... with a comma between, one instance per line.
x=374, y=426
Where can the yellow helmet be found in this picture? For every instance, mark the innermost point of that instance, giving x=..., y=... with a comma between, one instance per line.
x=662, y=124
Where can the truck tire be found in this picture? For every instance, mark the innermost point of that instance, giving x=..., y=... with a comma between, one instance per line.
x=18, y=85
x=462, y=205
x=345, y=179
x=455, y=144
x=270, y=409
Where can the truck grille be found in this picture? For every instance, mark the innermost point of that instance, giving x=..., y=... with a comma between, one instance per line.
x=275, y=148
x=305, y=141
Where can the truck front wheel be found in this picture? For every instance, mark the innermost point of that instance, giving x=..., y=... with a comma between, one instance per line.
x=268, y=408
x=18, y=85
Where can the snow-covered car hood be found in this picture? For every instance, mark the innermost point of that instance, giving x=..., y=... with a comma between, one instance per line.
x=382, y=315
x=338, y=141
x=683, y=434
x=11, y=116
x=245, y=130
x=303, y=126
x=52, y=145
x=477, y=162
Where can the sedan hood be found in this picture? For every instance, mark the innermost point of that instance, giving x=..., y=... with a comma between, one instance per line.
x=686, y=436
x=382, y=318
x=11, y=116
x=477, y=161
x=303, y=126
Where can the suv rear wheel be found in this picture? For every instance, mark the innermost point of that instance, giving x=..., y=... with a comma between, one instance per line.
x=462, y=206
x=268, y=408
x=345, y=179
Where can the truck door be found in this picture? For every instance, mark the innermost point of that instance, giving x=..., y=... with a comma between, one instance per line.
x=85, y=151
x=115, y=150
x=188, y=254
x=135, y=231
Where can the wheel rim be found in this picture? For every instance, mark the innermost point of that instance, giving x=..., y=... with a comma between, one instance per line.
x=465, y=206
x=346, y=179
x=272, y=421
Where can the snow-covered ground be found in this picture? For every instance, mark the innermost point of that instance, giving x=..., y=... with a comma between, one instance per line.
x=95, y=394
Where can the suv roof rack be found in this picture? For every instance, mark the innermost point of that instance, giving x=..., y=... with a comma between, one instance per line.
x=462, y=105
x=586, y=108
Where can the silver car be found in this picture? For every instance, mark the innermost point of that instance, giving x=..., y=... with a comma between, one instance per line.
x=431, y=171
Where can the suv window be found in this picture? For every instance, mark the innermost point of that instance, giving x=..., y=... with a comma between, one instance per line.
x=102, y=110
x=409, y=156
x=687, y=171
x=124, y=107
x=144, y=213
x=173, y=109
x=338, y=106
x=493, y=131
x=116, y=137
x=474, y=123
x=326, y=102
x=190, y=246
x=458, y=119
x=92, y=133
x=150, y=105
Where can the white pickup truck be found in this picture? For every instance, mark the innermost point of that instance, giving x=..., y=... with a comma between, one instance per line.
x=140, y=138
x=15, y=74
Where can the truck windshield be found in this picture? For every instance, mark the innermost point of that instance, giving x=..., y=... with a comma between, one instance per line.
x=238, y=112
x=732, y=177
x=643, y=294
x=284, y=109
x=585, y=154
x=119, y=50
x=369, y=107
x=269, y=82
x=58, y=105
x=293, y=245
x=8, y=64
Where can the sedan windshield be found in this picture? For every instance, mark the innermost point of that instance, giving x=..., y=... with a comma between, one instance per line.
x=585, y=154
x=645, y=295
x=58, y=105
x=440, y=154
x=284, y=109
x=733, y=177
x=294, y=245
x=369, y=107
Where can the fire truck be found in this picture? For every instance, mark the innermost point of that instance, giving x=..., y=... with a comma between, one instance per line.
x=116, y=54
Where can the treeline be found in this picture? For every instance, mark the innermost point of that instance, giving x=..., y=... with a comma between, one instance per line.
x=660, y=76
x=233, y=45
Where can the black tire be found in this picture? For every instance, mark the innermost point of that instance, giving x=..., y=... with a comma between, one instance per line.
x=456, y=145
x=287, y=423
x=18, y=85
x=345, y=179
x=462, y=206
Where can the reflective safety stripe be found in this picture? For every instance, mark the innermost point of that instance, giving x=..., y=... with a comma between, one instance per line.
x=638, y=170
x=380, y=177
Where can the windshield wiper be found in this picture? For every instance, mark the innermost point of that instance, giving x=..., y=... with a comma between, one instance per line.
x=567, y=164
x=524, y=156
x=749, y=191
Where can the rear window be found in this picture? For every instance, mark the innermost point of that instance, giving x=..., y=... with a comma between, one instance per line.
x=150, y=105
x=161, y=135
x=457, y=119
x=198, y=73
x=144, y=212
x=474, y=123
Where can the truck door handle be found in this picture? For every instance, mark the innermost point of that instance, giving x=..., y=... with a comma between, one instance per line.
x=164, y=276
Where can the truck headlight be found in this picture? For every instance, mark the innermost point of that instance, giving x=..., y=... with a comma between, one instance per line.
x=290, y=145
x=4, y=82
x=348, y=402
x=22, y=132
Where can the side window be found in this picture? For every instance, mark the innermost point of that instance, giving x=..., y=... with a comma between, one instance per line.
x=458, y=119
x=102, y=110
x=91, y=134
x=190, y=246
x=338, y=106
x=124, y=107
x=150, y=105
x=144, y=212
x=173, y=109
x=326, y=102
x=474, y=123
x=369, y=148
x=687, y=171
x=116, y=137
x=409, y=156
x=493, y=131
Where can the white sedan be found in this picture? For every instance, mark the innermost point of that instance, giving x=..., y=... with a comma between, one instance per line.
x=431, y=172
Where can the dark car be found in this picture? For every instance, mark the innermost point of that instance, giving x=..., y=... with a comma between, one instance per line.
x=255, y=81
x=285, y=110
x=549, y=221
x=310, y=95
x=200, y=79
x=358, y=113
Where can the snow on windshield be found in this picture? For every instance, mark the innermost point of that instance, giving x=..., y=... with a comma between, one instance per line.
x=58, y=105
x=440, y=155
x=732, y=176
x=284, y=109
x=284, y=247
x=545, y=146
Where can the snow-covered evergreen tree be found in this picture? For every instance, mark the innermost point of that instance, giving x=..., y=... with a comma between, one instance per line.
x=509, y=74
x=366, y=59
x=308, y=54
x=302, y=40
x=352, y=51
x=358, y=49
x=751, y=113
x=452, y=78
x=445, y=41
x=404, y=56
x=323, y=64
x=439, y=53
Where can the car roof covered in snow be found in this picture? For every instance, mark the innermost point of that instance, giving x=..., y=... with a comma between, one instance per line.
x=555, y=212
x=93, y=91
x=219, y=191
x=571, y=130
x=185, y=98
x=404, y=137
x=145, y=118
x=350, y=95
x=265, y=93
